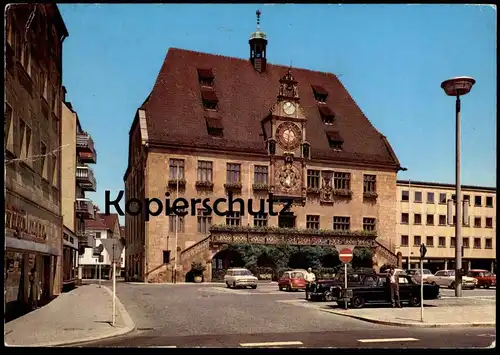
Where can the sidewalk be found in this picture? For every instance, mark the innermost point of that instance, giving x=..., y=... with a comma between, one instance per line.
x=459, y=313
x=81, y=315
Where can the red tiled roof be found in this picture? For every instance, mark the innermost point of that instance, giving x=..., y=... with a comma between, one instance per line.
x=102, y=221
x=205, y=73
x=334, y=136
x=176, y=116
x=214, y=123
x=319, y=89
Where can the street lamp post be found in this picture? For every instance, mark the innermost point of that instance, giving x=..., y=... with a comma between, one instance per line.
x=457, y=87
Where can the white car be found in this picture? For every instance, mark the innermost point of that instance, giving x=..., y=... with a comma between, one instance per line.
x=446, y=278
x=238, y=277
x=415, y=275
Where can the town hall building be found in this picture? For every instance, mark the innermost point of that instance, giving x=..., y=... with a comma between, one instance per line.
x=214, y=124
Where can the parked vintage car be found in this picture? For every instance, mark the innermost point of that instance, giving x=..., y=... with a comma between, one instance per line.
x=293, y=280
x=415, y=273
x=484, y=278
x=446, y=278
x=321, y=289
x=238, y=277
x=375, y=289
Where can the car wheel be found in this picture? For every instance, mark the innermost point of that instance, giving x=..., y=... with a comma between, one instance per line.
x=328, y=296
x=288, y=288
x=234, y=284
x=414, y=301
x=487, y=285
x=433, y=283
x=228, y=285
x=452, y=286
x=254, y=287
x=357, y=302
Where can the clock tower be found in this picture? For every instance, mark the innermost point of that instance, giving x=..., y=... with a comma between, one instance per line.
x=285, y=133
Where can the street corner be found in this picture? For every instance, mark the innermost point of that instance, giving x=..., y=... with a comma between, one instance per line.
x=406, y=317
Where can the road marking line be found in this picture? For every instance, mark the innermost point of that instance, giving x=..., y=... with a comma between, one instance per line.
x=386, y=340
x=272, y=343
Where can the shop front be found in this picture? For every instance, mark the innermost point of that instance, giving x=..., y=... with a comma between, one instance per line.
x=70, y=259
x=31, y=262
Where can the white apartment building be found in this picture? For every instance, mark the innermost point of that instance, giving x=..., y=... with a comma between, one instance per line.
x=103, y=227
x=422, y=218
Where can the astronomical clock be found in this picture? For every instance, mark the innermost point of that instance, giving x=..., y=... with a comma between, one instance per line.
x=284, y=130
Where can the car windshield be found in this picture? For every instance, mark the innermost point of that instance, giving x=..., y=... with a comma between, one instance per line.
x=427, y=272
x=242, y=273
x=451, y=273
x=297, y=275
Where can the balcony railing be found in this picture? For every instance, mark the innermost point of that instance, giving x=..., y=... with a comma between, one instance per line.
x=85, y=208
x=85, y=148
x=85, y=178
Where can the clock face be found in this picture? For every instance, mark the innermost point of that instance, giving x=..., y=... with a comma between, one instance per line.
x=289, y=108
x=288, y=135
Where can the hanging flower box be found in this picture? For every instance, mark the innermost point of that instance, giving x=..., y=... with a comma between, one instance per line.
x=260, y=187
x=313, y=190
x=370, y=194
x=173, y=182
x=342, y=192
x=233, y=185
x=204, y=184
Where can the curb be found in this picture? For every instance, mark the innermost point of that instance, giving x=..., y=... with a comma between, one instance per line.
x=190, y=283
x=414, y=325
x=129, y=327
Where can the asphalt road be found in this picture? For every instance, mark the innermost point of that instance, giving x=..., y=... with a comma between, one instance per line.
x=210, y=315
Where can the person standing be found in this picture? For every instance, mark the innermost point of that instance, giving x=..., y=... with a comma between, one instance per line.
x=34, y=288
x=310, y=278
x=393, y=279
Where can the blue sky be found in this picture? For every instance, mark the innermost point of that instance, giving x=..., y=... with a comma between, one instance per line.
x=391, y=58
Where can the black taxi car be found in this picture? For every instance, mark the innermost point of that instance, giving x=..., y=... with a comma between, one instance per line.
x=321, y=290
x=375, y=289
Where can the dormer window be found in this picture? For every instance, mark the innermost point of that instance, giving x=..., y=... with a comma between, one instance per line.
x=320, y=94
x=335, y=140
x=206, y=77
x=327, y=115
x=209, y=99
x=214, y=127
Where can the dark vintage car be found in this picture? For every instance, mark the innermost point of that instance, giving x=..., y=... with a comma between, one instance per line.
x=484, y=278
x=375, y=289
x=321, y=290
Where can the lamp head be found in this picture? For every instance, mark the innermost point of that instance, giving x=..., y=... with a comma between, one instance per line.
x=458, y=86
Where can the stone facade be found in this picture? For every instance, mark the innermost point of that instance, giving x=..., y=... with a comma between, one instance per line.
x=161, y=236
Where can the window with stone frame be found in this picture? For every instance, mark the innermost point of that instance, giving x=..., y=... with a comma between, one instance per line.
x=405, y=219
x=204, y=220
x=404, y=241
x=465, y=242
x=453, y=242
x=418, y=196
x=8, y=128
x=26, y=56
x=341, y=223
x=261, y=174
x=43, y=161
x=429, y=241
x=233, y=219
x=477, y=243
x=313, y=179
x=417, y=240
x=430, y=197
x=260, y=220
x=176, y=169
x=369, y=183
x=176, y=221
x=442, y=220
x=488, y=243
x=342, y=181
x=489, y=201
x=478, y=201
x=205, y=171
x=430, y=220
x=442, y=242
x=488, y=222
x=417, y=218
x=442, y=198
x=42, y=82
x=477, y=222
x=369, y=224
x=233, y=173
x=312, y=222
x=405, y=196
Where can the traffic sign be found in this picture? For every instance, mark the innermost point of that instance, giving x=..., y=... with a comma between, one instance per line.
x=114, y=249
x=345, y=255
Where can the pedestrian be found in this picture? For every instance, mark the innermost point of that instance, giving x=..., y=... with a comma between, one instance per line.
x=394, y=288
x=310, y=278
x=34, y=288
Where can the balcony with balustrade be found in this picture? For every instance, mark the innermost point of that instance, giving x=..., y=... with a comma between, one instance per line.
x=85, y=208
x=85, y=178
x=85, y=148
